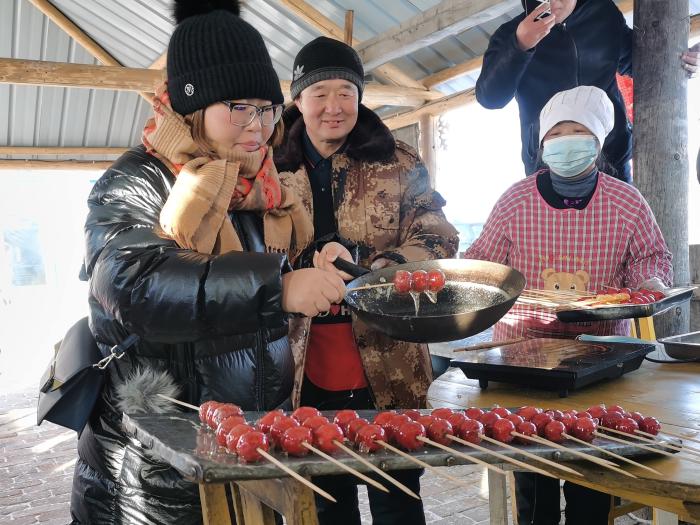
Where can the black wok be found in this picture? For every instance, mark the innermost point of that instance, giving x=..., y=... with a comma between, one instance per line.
x=476, y=295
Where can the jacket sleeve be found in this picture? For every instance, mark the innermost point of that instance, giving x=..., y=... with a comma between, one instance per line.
x=648, y=255
x=503, y=67
x=424, y=232
x=624, y=66
x=164, y=293
x=493, y=244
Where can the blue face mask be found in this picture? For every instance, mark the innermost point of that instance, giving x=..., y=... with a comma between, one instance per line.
x=569, y=156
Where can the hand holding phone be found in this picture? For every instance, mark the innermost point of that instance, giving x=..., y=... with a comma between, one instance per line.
x=535, y=26
x=534, y=5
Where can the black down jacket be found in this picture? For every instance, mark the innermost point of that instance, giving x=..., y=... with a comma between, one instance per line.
x=592, y=44
x=213, y=324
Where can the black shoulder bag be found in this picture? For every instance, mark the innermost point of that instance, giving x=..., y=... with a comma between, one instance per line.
x=73, y=380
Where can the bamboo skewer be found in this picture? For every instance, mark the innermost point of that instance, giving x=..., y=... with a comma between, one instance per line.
x=376, y=469
x=612, y=454
x=598, y=461
x=349, y=469
x=490, y=344
x=644, y=447
x=296, y=476
x=369, y=287
x=500, y=456
x=663, y=443
x=462, y=455
x=660, y=440
x=681, y=436
x=652, y=441
x=178, y=402
x=423, y=464
x=530, y=455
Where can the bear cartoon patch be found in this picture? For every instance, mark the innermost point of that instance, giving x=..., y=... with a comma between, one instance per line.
x=554, y=280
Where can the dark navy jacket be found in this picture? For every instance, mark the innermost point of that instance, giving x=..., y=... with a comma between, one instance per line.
x=589, y=48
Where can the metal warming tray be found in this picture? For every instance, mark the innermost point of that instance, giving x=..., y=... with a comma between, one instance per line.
x=615, y=312
x=683, y=346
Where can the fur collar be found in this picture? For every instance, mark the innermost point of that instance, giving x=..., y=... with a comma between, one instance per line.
x=369, y=141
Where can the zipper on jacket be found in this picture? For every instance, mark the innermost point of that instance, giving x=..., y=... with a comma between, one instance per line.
x=578, y=82
x=259, y=372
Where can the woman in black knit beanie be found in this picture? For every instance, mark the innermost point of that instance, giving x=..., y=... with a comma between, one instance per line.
x=187, y=239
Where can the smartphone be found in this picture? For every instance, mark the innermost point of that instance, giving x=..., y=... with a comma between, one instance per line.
x=531, y=5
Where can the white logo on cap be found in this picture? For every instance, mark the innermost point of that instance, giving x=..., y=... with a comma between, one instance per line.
x=189, y=90
x=298, y=72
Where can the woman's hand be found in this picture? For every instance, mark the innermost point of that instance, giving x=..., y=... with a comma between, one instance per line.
x=329, y=253
x=311, y=291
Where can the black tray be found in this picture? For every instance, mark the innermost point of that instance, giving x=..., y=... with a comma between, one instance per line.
x=180, y=440
x=553, y=364
x=616, y=312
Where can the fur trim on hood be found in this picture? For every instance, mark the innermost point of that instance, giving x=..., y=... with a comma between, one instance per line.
x=369, y=141
x=139, y=393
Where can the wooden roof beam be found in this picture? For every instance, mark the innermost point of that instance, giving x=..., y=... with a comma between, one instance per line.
x=59, y=150
x=436, y=107
x=41, y=73
x=448, y=18
x=71, y=165
x=82, y=38
x=314, y=18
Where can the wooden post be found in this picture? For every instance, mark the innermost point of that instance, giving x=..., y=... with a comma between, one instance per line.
x=427, y=146
x=661, y=132
x=349, y=19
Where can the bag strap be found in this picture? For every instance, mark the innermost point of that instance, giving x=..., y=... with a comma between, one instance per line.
x=117, y=351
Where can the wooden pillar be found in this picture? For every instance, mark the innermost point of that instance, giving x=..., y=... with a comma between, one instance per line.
x=661, y=131
x=427, y=146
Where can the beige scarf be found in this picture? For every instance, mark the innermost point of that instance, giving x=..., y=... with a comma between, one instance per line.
x=195, y=214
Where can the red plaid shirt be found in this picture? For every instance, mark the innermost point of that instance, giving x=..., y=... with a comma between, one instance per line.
x=614, y=241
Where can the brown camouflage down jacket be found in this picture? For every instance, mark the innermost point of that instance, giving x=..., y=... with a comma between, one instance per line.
x=384, y=204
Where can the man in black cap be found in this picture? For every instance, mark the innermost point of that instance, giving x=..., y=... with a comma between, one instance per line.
x=369, y=195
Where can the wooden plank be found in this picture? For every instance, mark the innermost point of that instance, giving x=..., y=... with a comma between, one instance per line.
x=62, y=150
x=498, y=502
x=349, y=18
x=42, y=73
x=314, y=18
x=436, y=107
x=215, y=509
x=287, y=496
x=54, y=165
x=160, y=62
x=249, y=510
x=448, y=18
x=427, y=146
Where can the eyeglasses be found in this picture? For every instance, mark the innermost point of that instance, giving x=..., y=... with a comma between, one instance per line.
x=243, y=114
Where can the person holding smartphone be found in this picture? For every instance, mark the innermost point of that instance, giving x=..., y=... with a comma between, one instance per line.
x=534, y=56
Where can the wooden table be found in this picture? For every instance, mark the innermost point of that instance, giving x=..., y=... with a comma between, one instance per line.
x=671, y=392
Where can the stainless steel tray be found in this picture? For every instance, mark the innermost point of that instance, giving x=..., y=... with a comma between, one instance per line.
x=683, y=346
x=674, y=296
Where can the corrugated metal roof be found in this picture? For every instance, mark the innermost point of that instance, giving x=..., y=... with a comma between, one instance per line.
x=136, y=33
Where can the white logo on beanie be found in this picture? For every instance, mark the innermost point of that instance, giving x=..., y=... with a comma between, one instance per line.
x=298, y=72
x=189, y=90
